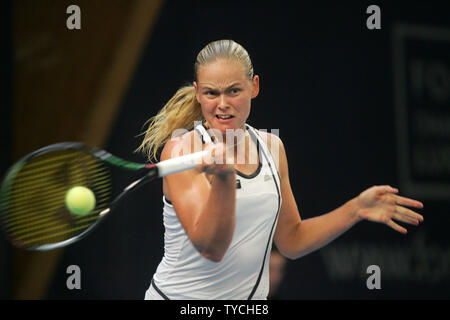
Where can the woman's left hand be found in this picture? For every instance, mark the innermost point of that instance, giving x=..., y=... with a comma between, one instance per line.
x=382, y=204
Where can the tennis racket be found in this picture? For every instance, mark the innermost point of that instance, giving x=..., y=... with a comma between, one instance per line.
x=33, y=211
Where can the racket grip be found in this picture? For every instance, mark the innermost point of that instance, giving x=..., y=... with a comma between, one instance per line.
x=179, y=164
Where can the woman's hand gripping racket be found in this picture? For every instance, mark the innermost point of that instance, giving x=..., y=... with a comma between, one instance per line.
x=56, y=195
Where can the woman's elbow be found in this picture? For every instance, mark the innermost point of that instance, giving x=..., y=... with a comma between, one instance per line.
x=289, y=253
x=212, y=256
x=290, y=256
x=211, y=253
x=211, y=249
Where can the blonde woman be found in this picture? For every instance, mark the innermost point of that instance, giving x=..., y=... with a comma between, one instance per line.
x=220, y=221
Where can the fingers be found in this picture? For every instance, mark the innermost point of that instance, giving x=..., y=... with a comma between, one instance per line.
x=408, y=202
x=214, y=154
x=409, y=214
x=216, y=162
x=402, y=201
x=405, y=219
x=397, y=227
x=385, y=189
x=404, y=215
x=387, y=199
x=399, y=199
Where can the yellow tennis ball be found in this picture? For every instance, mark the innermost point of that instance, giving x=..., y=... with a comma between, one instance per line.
x=80, y=200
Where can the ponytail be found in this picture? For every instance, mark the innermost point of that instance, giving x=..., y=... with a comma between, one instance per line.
x=180, y=112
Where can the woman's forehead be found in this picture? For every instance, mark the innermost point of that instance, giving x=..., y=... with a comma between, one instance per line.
x=221, y=72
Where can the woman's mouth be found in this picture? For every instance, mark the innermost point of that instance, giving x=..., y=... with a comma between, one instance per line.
x=224, y=118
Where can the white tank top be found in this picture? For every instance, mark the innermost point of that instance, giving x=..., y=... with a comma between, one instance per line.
x=243, y=273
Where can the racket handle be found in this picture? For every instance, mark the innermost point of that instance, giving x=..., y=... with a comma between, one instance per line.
x=179, y=164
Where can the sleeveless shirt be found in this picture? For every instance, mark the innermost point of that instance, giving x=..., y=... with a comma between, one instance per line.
x=243, y=272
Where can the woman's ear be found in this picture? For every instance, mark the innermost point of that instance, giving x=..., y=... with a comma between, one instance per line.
x=255, y=86
x=196, y=90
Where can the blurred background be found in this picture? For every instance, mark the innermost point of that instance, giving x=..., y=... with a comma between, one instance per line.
x=355, y=107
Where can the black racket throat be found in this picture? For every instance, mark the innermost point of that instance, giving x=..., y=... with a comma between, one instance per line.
x=152, y=174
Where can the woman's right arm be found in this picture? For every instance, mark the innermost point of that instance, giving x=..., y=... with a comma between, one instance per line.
x=206, y=210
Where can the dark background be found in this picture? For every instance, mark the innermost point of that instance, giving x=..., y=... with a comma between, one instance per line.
x=327, y=84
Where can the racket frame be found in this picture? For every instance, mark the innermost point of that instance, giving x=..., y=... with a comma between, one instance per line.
x=150, y=173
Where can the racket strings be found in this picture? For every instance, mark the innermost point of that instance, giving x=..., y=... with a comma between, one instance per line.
x=52, y=230
x=53, y=237
x=36, y=219
x=33, y=181
x=33, y=202
x=54, y=197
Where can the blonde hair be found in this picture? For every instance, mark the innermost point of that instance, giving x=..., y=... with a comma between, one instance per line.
x=183, y=109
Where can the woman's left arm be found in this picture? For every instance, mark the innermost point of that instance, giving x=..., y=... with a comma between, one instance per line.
x=295, y=237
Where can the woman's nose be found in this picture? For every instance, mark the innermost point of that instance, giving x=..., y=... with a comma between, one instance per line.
x=223, y=104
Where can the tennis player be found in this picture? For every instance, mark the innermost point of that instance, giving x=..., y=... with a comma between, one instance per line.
x=220, y=220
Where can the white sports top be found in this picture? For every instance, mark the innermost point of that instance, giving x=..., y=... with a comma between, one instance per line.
x=243, y=273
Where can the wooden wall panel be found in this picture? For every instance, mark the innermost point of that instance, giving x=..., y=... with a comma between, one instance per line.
x=68, y=85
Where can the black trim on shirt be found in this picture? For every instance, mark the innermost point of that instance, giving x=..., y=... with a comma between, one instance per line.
x=159, y=291
x=254, y=174
x=271, y=231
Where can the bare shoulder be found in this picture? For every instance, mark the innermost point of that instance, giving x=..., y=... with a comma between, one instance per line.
x=173, y=185
x=272, y=140
x=187, y=143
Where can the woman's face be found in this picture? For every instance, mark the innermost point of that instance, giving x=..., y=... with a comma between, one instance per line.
x=224, y=91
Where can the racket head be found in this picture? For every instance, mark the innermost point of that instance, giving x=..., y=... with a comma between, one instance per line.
x=33, y=212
